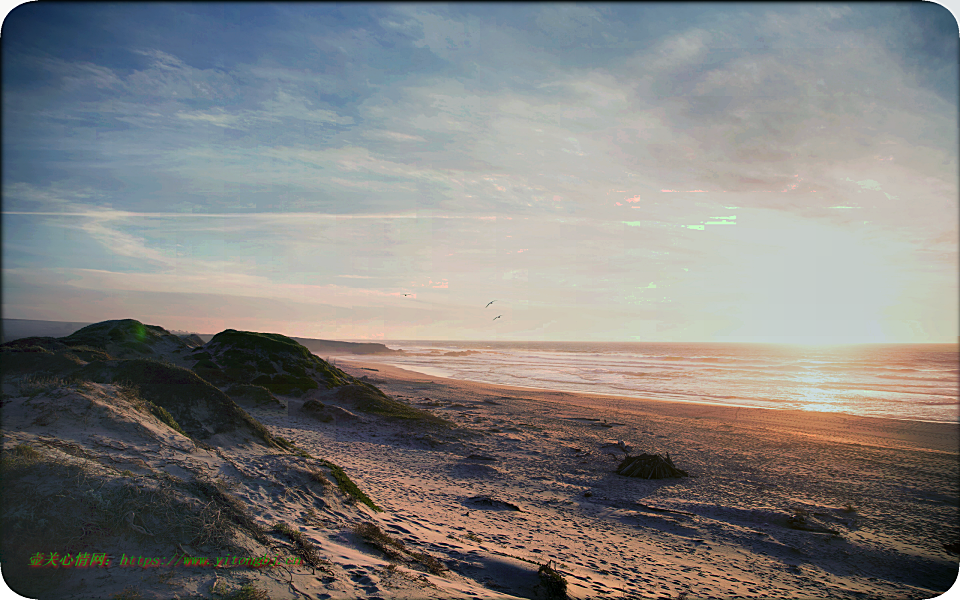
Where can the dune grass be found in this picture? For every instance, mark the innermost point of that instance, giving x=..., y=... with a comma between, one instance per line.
x=85, y=507
x=132, y=395
x=395, y=549
x=347, y=486
x=305, y=549
x=370, y=399
x=257, y=394
x=246, y=592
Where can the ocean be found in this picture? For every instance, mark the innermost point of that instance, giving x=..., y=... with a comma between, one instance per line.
x=897, y=381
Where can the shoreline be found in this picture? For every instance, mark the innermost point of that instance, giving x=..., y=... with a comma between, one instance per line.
x=789, y=413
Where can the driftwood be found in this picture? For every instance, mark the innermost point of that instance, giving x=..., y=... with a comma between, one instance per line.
x=649, y=466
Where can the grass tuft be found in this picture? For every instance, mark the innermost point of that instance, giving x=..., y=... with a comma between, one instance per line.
x=229, y=507
x=553, y=582
x=304, y=547
x=247, y=592
x=348, y=487
x=132, y=394
x=87, y=507
x=394, y=548
x=129, y=593
x=377, y=538
x=26, y=451
x=290, y=447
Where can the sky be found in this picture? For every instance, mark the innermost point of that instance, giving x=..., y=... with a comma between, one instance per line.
x=627, y=172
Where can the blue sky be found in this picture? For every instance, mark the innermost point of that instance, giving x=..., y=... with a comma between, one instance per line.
x=663, y=172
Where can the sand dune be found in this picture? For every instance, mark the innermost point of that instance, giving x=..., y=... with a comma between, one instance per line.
x=777, y=504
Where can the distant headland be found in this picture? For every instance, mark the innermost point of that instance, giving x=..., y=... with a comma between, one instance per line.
x=15, y=329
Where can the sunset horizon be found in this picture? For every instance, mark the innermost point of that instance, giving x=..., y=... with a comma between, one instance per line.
x=385, y=172
x=461, y=301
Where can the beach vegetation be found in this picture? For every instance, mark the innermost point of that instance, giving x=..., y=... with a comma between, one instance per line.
x=26, y=451
x=370, y=399
x=380, y=540
x=37, y=384
x=849, y=508
x=87, y=505
x=130, y=392
x=649, y=466
x=317, y=410
x=257, y=394
x=317, y=477
x=130, y=593
x=276, y=362
x=304, y=548
x=196, y=407
x=33, y=365
x=247, y=591
x=291, y=447
x=230, y=512
x=219, y=587
x=124, y=338
x=284, y=384
x=553, y=583
x=395, y=549
x=348, y=487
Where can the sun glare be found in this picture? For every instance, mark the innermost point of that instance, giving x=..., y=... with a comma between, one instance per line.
x=814, y=284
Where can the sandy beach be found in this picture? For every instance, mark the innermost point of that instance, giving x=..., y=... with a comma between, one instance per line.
x=888, y=489
x=777, y=504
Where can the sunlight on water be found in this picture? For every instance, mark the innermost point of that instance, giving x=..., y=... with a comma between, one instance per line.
x=903, y=381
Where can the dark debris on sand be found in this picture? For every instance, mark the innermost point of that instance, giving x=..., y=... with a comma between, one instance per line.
x=650, y=466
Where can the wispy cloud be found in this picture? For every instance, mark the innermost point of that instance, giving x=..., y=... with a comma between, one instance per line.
x=566, y=155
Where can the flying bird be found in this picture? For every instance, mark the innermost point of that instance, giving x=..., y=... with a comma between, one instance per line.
x=406, y=294
x=496, y=317
x=489, y=303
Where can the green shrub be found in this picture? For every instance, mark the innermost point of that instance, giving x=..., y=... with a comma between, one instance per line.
x=553, y=582
x=162, y=414
x=181, y=391
x=267, y=342
x=286, y=384
x=265, y=366
x=255, y=393
x=26, y=451
x=348, y=487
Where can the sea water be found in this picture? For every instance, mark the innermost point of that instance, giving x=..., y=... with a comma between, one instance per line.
x=899, y=381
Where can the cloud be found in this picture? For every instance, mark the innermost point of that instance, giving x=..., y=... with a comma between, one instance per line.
x=417, y=143
x=287, y=106
x=169, y=78
x=568, y=24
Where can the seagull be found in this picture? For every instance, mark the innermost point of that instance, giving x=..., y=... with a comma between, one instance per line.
x=406, y=294
x=489, y=303
x=497, y=317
